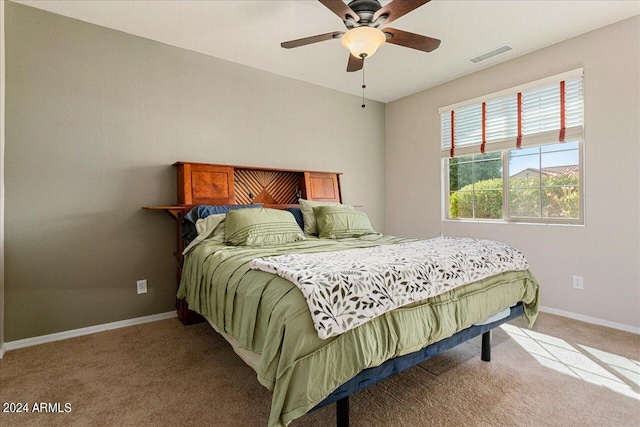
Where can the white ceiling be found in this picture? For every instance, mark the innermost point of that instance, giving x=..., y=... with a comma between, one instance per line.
x=250, y=33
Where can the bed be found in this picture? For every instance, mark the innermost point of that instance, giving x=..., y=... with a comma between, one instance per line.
x=242, y=292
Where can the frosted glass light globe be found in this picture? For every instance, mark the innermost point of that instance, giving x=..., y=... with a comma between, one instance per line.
x=363, y=41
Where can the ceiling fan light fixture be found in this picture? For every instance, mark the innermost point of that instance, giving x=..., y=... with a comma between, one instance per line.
x=363, y=41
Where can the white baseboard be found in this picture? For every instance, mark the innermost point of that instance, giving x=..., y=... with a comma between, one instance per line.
x=28, y=342
x=590, y=319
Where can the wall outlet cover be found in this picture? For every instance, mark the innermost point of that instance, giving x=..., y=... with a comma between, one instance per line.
x=142, y=286
x=578, y=282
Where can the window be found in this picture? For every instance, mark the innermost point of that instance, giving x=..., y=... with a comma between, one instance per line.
x=544, y=182
x=516, y=155
x=475, y=186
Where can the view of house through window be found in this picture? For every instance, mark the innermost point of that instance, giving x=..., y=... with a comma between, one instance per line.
x=543, y=182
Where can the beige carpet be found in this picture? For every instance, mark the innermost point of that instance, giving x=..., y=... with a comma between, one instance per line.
x=565, y=373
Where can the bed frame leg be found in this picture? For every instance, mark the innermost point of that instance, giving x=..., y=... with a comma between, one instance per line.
x=342, y=412
x=486, y=346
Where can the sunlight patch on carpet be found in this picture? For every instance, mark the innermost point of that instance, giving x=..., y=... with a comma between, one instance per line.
x=615, y=372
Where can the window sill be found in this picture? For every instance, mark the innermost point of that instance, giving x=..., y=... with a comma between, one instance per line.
x=503, y=222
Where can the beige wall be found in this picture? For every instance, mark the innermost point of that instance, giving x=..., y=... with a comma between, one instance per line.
x=607, y=250
x=96, y=117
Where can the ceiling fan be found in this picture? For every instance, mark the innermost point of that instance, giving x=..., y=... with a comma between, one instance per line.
x=363, y=36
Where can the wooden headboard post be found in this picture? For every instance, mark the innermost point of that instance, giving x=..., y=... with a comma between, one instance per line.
x=213, y=184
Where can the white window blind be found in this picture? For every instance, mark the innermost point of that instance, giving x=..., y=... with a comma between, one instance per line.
x=539, y=113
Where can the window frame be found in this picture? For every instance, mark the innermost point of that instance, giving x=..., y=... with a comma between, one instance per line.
x=506, y=214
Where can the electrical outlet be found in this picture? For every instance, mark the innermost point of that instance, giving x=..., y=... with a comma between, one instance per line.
x=142, y=286
x=578, y=282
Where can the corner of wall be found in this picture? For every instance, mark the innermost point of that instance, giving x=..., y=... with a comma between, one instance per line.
x=2, y=131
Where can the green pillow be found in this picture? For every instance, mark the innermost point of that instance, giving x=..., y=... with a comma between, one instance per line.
x=309, y=218
x=335, y=222
x=256, y=227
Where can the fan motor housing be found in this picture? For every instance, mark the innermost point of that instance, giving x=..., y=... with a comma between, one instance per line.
x=365, y=10
x=365, y=5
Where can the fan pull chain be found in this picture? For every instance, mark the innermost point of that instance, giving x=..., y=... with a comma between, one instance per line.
x=363, y=85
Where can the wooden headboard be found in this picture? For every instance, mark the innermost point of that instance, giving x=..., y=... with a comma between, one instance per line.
x=212, y=184
x=202, y=183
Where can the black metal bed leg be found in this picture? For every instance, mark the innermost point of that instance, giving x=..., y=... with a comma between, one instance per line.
x=486, y=346
x=342, y=412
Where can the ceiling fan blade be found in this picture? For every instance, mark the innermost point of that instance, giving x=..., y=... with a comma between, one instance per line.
x=354, y=64
x=414, y=41
x=341, y=9
x=313, y=39
x=398, y=8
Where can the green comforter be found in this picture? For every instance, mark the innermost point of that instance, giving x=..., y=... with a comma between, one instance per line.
x=269, y=316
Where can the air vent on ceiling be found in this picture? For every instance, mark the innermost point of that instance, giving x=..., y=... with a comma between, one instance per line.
x=490, y=54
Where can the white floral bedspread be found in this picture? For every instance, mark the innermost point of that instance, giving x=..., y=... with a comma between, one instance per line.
x=347, y=288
